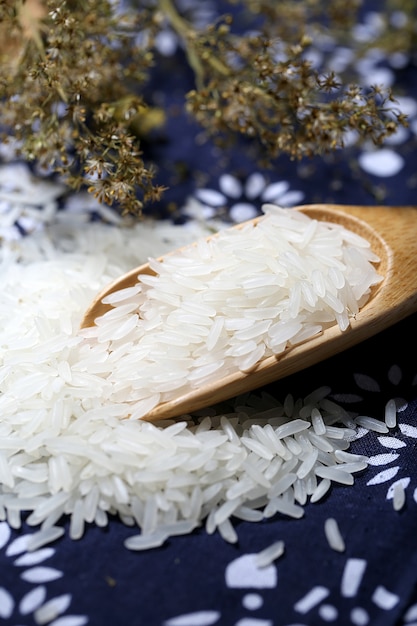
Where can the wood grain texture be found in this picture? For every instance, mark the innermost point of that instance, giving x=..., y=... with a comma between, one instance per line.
x=392, y=233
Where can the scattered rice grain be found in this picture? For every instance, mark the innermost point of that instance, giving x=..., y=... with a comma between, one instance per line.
x=370, y=423
x=391, y=413
x=398, y=500
x=270, y=554
x=333, y=535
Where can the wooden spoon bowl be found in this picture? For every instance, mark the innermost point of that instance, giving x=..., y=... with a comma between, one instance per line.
x=392, y=233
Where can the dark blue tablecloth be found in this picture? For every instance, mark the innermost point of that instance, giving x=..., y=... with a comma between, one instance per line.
x=199, y=579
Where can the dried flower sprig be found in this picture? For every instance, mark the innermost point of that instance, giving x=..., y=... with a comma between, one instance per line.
x=74, y=73
x=263, y=87
x=67, y=100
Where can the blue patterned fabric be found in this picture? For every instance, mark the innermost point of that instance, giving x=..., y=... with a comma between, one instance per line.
x=199, y=579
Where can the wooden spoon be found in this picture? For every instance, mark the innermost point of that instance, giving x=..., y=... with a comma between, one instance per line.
x=392, y=233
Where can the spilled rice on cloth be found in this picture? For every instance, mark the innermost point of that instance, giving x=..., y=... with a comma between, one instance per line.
x=64, y=449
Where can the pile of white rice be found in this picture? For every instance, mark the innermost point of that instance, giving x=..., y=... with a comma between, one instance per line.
x=225, y=304
x=64, y=447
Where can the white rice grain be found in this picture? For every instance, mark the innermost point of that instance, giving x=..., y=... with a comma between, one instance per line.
x=65, y=449
x=146, y=541
x=398, y=500
x=44, y=537
x=391, y=413
x=270, y=554
x=335, y=474
x=317, y=422
x=279, y=505
x=52, y=609
x=333, y=535
x=227, y=531
x=370, y=423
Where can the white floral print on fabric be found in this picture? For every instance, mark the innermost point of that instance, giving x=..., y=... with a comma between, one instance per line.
x=410, y=617
x=374, y=67
x=353, y=572
x=385, y=161
x=388, y=460
x=393, y=447
x=38, y=603
x=317, y=603
x=320, y=603
x=243, y=199
x=381, y=162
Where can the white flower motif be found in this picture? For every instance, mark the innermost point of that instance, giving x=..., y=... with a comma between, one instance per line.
x=384, y=476
x=383, y=459
x=368, y=384
x=243, y=200
x=352, y=575
x=34, y=603
x=319, y=603
x=391, y=442
x=393, y=446
x=381, y=162
x=402, y=482
x=410, y=616
x=408, y=430
x=385, y=161
x=374, y=67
